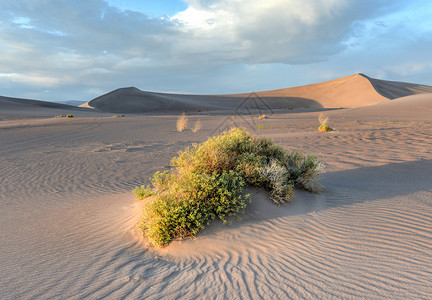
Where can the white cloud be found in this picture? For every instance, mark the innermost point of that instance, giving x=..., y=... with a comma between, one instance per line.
x=213, y=46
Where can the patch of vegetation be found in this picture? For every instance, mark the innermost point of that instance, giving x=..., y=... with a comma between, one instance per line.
x=65, y=116
x=197, y=126
x=182, y=122
x=262, y=117
x=207, y=181
x=324, y=128
x=323, y=119
x=260, y=126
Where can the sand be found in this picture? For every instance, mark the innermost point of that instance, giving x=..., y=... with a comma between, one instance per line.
x=68, y=217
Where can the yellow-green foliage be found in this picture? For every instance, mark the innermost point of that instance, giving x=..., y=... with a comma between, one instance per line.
x=324, y=128
x=143, y=192
x=207, y=181
x=65, y=116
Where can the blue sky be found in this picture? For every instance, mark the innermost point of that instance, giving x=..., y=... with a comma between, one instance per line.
x=57, y=50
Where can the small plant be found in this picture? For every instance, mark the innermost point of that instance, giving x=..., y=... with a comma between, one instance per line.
x=197, y=126
x=206, y=183
x=64, y=116
x=323, y=119
x=324, y=128
x=262, y=117
x=143, y=192
x=260, y=126
x=182, y=122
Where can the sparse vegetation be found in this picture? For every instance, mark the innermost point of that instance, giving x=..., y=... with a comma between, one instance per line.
x=207, y=181
x=323, y=119
x=182, y=122
x=260, y=126
x=64, y=116
x=197, y=126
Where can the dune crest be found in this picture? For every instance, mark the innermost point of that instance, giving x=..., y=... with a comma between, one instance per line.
x=348, y=92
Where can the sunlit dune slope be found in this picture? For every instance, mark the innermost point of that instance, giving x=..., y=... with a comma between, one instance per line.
x=352, y=91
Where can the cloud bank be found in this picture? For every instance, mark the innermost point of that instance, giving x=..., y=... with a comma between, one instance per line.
x=60, y=49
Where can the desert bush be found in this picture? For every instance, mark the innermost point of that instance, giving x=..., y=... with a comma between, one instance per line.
x=182, y=122
x=325, y=128
x=207, y=180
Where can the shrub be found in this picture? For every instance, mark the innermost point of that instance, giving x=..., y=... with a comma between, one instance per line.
x=324, y=128
x=69, y=116
x=182, y=122
x=207, y=180
x=262, y=117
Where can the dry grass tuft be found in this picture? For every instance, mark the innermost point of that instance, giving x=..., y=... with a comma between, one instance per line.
x=182, y=122
x=197, y=126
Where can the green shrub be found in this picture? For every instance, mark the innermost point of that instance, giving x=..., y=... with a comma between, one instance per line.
x=324, y=128
x=207, y=181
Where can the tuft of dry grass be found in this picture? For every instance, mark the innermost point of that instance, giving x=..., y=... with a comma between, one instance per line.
x=197, y=126
x=182, y=122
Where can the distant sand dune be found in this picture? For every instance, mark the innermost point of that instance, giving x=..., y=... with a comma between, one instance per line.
x=12, y=103
x=352, y=91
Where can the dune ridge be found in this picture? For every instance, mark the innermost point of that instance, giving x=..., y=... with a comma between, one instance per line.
x=348, y=92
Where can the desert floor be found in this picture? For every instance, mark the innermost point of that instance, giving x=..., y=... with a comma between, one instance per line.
x=68, y=216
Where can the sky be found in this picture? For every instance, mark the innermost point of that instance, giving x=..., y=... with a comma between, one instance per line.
x=59, y=50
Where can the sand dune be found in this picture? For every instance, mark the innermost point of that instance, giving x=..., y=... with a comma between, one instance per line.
x=7, y=103
x=68, y=217
x=16, y=108
x=353, y=91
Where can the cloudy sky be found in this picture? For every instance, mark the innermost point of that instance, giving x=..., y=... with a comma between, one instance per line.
x=57, y=50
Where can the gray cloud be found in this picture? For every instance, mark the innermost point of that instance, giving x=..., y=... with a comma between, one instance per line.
x=54, y=49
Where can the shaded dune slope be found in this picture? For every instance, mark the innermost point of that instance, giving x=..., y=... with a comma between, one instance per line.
x=348, y=92
x=8, y=103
